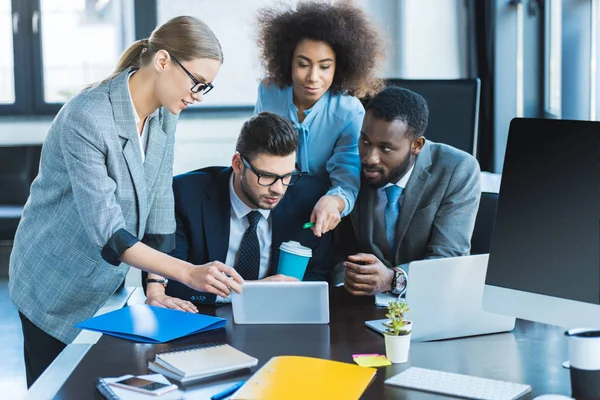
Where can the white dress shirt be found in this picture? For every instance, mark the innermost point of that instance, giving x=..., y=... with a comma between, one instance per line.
x=379, y=217
x=238, y=223
x=143, y=142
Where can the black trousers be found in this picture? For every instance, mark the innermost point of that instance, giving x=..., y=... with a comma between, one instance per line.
x=40, y=349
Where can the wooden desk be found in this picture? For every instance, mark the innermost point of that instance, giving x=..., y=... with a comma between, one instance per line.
x=531, y=354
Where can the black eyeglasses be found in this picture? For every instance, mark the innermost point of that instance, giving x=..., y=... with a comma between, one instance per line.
x=198, y=86
x=271, y=179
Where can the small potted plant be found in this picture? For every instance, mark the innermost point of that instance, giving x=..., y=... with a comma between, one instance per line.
x=397, y=334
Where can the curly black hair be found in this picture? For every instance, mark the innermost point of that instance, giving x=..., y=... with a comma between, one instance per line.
x=357, y=44
x=399, y=104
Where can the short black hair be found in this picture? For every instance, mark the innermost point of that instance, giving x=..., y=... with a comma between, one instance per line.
x=355, y=40
x=398, y=104
x=267, y=133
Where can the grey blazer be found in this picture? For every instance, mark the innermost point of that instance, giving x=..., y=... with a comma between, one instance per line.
x=437, y=210
x=92, y=199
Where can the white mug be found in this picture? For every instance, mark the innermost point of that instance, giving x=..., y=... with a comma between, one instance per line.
x=584, y=357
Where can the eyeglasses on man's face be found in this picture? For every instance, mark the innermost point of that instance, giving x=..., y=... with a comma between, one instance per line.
x=198, y=86
x=271, y=179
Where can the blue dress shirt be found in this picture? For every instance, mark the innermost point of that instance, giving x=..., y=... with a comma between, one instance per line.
x=328, y=137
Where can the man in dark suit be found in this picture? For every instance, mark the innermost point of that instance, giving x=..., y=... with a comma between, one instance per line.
x=239, y=215
x=418, y=199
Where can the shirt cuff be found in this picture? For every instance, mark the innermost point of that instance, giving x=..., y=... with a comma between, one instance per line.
x=338, y=191
x=120, y=241
x=160, y=242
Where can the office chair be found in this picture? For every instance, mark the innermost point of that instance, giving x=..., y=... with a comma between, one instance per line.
x=484, y=223
x=453, y=109
x=19, y=166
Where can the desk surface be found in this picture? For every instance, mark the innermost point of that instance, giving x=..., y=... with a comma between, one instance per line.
x=531, y=354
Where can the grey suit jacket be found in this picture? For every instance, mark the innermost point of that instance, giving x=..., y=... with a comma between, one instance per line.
x=437, y=210
x=92, y=199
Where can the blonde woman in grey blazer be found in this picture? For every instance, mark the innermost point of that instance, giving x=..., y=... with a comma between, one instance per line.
x=103, y=198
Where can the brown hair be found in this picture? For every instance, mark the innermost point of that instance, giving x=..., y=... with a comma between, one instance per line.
x=357, y=44
x=267, y=133
x=186, y=38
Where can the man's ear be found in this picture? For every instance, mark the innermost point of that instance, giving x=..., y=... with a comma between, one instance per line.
x=236, y=163
x=417, y=145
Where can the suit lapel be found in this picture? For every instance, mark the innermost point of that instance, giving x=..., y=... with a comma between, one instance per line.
x=279, y=227
x=366, y=218
x=216, y=214
x=157, y=141
x=412, y=195
x=126, y=128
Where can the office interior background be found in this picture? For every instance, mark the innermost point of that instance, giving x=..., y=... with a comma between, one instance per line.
x=533, y=58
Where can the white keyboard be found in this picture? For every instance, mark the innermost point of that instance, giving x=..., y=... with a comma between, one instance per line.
x=470, y=387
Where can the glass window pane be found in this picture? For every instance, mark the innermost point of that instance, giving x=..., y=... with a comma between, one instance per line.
x=97, y=30
x=234, y=23
x=7, y=72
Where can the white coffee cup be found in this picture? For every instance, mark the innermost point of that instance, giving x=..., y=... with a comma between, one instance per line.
x=584, y=357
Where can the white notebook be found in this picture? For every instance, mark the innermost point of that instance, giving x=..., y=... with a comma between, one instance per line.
x=200, y=362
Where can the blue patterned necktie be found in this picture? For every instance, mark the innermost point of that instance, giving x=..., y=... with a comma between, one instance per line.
x=248, y=256
x=392, y=211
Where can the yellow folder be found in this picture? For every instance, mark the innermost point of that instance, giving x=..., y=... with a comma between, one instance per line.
x=292, y=377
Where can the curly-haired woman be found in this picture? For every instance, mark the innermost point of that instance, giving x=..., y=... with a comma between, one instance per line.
x=319, y=58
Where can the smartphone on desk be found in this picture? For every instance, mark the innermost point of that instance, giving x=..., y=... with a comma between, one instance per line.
x=145, y=386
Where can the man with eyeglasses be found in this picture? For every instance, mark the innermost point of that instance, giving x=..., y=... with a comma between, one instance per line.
x=240, y=215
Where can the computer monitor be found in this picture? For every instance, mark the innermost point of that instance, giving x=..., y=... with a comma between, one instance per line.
x=544, y=263
x=453, y=109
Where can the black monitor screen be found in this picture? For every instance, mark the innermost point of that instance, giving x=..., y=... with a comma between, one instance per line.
x=546, y=237
x=453, y=109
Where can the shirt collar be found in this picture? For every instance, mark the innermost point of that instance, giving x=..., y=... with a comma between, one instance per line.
x=239, y=208
x=315, y=108
x=135, y=114
x=403, y=181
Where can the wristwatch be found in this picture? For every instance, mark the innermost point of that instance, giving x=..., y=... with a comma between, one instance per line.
x=161, y=281
x=399, y=281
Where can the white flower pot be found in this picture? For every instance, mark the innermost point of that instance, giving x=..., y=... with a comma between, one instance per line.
x=397, y=347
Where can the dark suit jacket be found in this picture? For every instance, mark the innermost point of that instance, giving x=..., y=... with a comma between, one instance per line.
x=437, y=214
x=203, y=211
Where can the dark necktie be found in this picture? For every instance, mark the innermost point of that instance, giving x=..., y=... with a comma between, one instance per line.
x=248, y=256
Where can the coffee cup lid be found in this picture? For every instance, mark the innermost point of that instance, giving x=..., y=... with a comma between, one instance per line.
x=294, y=247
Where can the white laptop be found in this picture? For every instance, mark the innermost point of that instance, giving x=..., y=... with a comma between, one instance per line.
x=444, y=296
x=281, y=303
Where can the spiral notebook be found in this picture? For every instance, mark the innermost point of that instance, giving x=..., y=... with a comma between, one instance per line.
x=199, y=362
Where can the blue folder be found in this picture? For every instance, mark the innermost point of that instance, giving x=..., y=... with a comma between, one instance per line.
x=151, y=324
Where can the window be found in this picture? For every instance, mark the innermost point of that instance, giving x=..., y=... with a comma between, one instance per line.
x=553, y=62
x=51, y=49
x=7, y=76
x=97, y=33
x=234, y=24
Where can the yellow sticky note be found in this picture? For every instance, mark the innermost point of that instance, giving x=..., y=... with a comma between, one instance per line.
x=372, y=361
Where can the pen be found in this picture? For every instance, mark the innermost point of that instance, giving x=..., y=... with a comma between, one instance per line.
x=308, y=225
x=228, y=391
